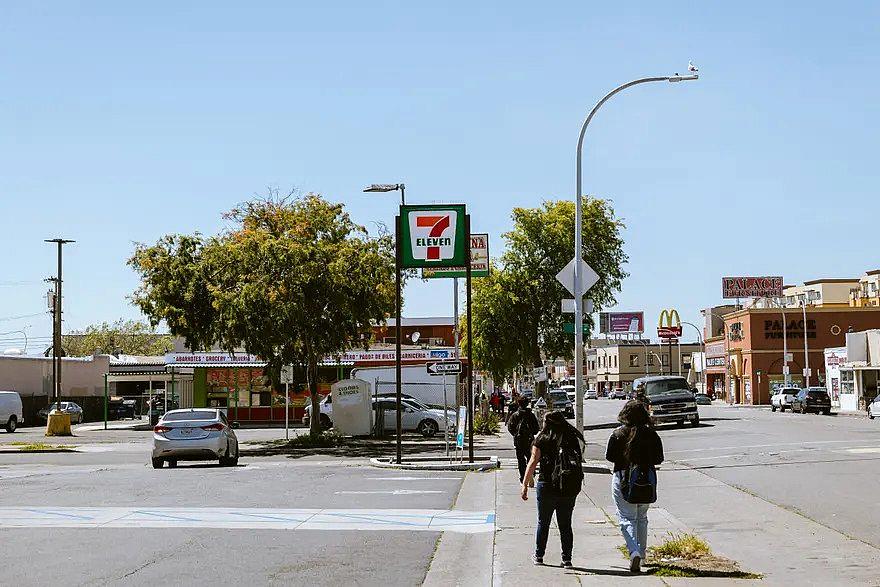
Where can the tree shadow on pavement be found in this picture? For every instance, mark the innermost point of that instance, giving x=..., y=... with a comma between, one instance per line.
x=357, y=448
x=606, y=572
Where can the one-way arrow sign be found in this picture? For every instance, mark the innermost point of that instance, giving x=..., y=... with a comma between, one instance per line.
x=444, y=367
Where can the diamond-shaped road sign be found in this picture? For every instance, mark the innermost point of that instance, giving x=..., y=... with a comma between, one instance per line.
x=588, y=276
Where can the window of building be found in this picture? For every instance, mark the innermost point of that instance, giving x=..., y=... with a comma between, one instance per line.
x=615, y=361
x=651, y=360
x=665, y=360
x=633, y=360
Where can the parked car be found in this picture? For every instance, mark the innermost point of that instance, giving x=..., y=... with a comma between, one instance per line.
x=812, y=399
x=782, y=398
x=702, y=399
x=874, y=408
x=415, y=416
x=617, y=394
x=326, y=405
x=11, y=414
x=194, y=434
x=669, y=399
x=591, y=394
x=561, y=402
x=71, y=408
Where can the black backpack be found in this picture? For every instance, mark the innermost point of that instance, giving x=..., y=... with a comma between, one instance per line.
x=523, y=434
x=568, y=474
x=638, y=484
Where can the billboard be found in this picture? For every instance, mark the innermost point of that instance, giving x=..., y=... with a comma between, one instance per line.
x=479, y=261
x=751, y=287
x=621, y=322
x=432, y=236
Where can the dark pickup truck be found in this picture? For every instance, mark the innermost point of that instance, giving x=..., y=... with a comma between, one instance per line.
x=669, y=399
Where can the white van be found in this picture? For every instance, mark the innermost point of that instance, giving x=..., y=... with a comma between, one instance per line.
x=10, y=410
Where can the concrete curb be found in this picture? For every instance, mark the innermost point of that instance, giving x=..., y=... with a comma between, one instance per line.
x=436, y=464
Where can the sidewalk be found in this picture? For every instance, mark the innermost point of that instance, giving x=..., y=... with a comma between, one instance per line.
x=784, y=546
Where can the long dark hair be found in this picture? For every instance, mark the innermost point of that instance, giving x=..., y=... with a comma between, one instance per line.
x=556, y=427
x=636, y=421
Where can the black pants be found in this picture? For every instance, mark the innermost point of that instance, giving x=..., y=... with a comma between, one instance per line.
x=522, y=458
x=549, y=501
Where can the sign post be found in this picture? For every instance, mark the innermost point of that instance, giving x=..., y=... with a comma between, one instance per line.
x=287, y=379
x=429, y=236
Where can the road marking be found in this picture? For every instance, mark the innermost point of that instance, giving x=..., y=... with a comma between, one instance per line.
x=415, y=478
x=863, y=450
x=459, y=521
x=394, y=492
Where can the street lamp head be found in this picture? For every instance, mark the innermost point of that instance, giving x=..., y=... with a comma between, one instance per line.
x=682, y=78
x=383, y=187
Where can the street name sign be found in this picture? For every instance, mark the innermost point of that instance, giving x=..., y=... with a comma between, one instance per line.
x=589, y=278
x=479, y=262
x=443, y=367
x=432, y=235
x=568, y=328
x=568, y=306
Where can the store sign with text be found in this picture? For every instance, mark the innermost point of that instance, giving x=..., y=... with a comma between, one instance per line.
x=432, y=236
x=751, y=287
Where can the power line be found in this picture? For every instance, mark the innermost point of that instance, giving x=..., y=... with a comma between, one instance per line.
x=8, y=318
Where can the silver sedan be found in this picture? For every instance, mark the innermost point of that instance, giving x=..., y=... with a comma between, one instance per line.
x=194, y=434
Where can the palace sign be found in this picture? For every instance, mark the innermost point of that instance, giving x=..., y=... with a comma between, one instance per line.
x=432, y=236
x=751, y=287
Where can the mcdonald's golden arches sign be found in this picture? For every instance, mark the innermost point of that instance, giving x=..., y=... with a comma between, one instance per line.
x=669, y=325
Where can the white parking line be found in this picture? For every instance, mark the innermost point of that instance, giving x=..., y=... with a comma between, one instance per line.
x=248, y=518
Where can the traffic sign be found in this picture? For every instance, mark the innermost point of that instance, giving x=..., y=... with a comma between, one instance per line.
x=589, y=278
x=287, y=374
x=443, y=367
x=568, y=328
x=568, y=306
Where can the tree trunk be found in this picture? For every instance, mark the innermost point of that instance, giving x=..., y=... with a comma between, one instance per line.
x=312, y=379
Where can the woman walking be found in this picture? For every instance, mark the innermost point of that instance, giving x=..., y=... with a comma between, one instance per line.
x=634, y=448
x=559, y=448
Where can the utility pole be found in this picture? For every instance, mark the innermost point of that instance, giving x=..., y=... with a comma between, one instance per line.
x=56, y=327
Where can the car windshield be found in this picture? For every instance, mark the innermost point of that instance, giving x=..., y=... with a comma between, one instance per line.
x=666, y=386
x=559, y=396
x=190, y=415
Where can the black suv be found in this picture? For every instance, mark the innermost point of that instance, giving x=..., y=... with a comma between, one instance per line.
x=812, y=399
x=669, y=399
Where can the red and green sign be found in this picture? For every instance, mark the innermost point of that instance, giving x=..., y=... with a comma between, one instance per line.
x=432, y=235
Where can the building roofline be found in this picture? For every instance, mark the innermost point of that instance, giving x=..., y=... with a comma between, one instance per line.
x=831, y=280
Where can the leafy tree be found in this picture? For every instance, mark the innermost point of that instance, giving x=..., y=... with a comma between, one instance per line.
x=124, y=336
x=516, y=313
x=294, y=281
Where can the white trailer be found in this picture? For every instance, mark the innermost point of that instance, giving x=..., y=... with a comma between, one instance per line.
x=415, y=381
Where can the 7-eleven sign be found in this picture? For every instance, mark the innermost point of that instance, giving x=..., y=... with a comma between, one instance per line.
x=432, y=235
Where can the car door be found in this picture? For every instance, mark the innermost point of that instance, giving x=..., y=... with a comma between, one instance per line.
x=389, y=413
x=411, y=416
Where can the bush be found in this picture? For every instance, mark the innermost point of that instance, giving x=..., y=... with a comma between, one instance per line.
x=327, y=439
x=486, y=425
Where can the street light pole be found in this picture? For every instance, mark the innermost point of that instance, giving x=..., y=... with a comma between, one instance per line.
x=806, y=348
x=56, y=327
x=703, y=350
x=578, y=244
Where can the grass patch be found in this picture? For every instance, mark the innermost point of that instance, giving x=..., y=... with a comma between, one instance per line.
x=37, y=446
x=681, y=546
x=486, y=425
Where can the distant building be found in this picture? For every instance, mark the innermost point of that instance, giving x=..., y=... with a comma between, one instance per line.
x=616, y=366
x=867, y=293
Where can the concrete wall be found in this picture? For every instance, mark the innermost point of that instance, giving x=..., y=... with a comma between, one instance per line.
x=32, y=376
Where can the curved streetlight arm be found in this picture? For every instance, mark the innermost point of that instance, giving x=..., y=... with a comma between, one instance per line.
x=578, y=245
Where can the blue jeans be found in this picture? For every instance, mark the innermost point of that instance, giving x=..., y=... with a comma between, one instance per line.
x=633, y=519
x=550, y=501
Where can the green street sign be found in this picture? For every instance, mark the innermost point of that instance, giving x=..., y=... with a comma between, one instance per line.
x=432, y=235
x=568, y=328
x=479, y=261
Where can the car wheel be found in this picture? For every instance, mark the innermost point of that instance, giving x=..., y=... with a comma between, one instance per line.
x=157, y=463
x=781, y=407
x=827, y=412
x=428, y=428
x=11, y=424
x=326, y=423
x=228, y=461
x=695, y=422
x=172, y=463
x=870, y=415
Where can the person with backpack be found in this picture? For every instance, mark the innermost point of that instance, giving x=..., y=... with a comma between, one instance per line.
x=635, y=449
x=522, y=425
x=559, y=448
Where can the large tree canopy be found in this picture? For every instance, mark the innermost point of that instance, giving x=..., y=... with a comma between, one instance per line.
x=293, y=281
x=123, y=336
x=516, y=312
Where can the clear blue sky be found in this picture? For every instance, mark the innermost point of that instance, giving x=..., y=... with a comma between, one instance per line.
x=121, y=123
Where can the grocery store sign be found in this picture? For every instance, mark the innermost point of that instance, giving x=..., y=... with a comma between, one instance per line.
x=210, y=359
x=479, y=261
x=751, y=287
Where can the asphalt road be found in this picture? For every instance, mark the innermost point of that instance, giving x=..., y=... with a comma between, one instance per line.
x=119, y=475
x=822, y=467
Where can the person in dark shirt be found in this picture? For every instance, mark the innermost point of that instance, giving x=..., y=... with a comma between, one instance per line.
x=634, y=442
x=523, y=426
x=556, y=432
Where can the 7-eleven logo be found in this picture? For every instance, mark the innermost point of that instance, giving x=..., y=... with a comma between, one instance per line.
x=432, y=234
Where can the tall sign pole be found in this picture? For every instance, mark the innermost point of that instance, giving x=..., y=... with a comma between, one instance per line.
x=56, y=327
x=398, y=332
x=470, y=345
